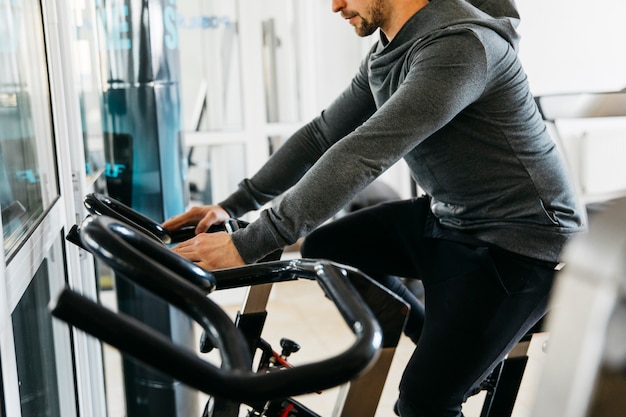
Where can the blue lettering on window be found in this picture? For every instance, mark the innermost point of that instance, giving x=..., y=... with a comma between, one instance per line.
x=114, y=19
x=27, y=175
x=169, y=21
x=203, y=22
x=114, y=170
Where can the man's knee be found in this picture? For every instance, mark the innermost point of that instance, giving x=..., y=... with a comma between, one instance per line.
x=309, y=247
x=316, y=245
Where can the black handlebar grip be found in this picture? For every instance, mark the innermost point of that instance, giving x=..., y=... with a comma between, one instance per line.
x=102, y=205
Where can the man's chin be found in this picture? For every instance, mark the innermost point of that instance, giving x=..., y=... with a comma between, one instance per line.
x=363, y=32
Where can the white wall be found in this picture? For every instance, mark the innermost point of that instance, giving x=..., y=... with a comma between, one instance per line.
x=573, y=45
x=339, y=52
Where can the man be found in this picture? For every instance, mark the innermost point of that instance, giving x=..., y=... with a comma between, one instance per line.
x=443, y=88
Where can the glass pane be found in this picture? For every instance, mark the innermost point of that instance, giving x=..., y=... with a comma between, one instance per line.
x=210, y=64
x=280, y=63
x=34, y=349
x=214, y=171
x=28, y=182
x=88, y=83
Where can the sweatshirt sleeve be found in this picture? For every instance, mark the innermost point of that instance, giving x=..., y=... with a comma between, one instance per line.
x=302, y=150
x=442, y=79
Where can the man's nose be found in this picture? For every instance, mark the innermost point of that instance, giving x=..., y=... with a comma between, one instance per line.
x=337, y=5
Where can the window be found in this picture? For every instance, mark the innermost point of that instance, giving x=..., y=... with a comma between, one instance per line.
x=209, y=53
x=34, y=349
x=28, y=183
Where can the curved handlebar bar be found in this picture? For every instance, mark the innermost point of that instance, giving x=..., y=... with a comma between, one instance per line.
x=147, y=262
x=99, y=204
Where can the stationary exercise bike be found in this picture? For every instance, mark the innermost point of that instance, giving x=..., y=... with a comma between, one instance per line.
x=134, y=246
x=362, y=395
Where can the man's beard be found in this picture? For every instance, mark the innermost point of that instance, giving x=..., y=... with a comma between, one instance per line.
x=367, y=27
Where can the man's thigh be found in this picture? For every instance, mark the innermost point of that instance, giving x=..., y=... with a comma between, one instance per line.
x=380, y=240
x=473, y=318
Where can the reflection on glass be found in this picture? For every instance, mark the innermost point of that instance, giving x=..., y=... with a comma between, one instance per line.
x=88, y=83
x=28, y=183
x=210, y=64
x=34, y=349
x=214, y=172
x=280, y=63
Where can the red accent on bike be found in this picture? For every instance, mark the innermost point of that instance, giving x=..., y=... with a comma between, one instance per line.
x=281, y=360
x=287, y=410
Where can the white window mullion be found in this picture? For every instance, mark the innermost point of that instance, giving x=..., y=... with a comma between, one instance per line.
x=7, y=348
x=10, y=381
x=73, y=184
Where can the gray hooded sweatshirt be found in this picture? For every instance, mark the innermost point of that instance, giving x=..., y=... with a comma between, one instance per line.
x=449, y=95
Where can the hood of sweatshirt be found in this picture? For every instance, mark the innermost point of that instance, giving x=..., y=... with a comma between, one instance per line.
x=500, y=16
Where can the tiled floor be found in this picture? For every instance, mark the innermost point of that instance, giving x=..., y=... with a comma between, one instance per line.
x=299, y=311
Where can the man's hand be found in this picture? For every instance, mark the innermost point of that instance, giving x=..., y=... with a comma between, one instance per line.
x=201, y=216
x=210, y=251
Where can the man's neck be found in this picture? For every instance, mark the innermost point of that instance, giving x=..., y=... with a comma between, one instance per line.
x=401, y=12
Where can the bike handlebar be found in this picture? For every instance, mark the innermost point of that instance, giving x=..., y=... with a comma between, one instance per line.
x=131, y=252
x=102, y=205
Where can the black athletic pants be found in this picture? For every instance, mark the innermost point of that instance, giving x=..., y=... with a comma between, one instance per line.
x=479, y=300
